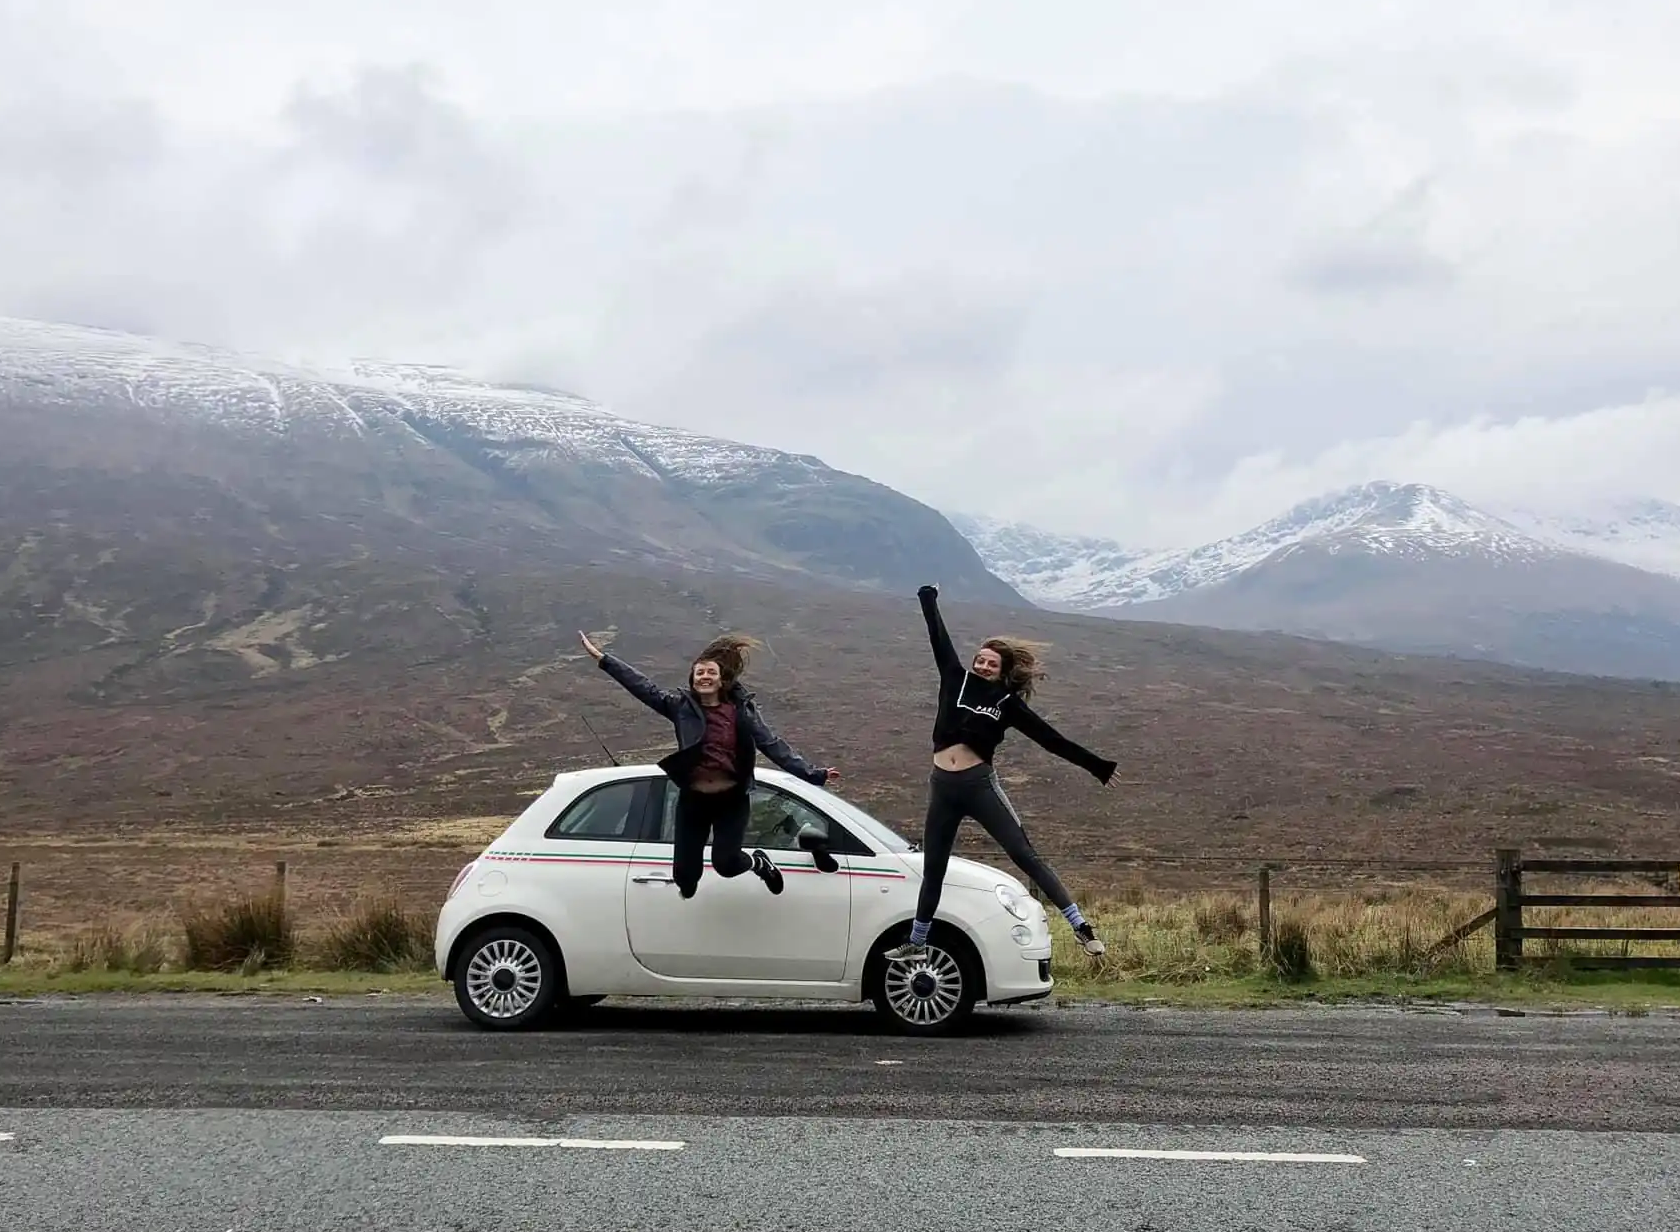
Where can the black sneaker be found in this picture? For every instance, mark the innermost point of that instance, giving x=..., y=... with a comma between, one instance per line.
x=767, y=870
x=1089, y=941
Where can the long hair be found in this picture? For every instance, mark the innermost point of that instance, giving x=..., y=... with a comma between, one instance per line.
x=1021, y=670
x=731, y=652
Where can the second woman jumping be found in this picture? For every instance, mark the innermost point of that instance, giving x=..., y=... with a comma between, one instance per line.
x=978, y=704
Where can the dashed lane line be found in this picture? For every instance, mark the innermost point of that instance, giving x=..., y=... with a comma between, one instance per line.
x=581, y=1144
x=1275, y=1157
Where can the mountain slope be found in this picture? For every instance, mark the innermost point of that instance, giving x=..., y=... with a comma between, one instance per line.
x=400, y=450
x=1642, y=533
x=1062, y=572
x=1412, y=568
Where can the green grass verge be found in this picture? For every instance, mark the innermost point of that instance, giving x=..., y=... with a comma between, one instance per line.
x=31, y=982
x=1613, y=991
x=1625, y=993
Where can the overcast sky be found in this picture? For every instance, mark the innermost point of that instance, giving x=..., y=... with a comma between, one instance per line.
x=1132, y=269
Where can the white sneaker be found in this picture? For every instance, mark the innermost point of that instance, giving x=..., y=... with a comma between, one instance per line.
x=908, y=952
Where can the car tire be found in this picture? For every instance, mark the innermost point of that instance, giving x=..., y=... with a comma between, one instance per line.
x=933, y=996
x=507, y=979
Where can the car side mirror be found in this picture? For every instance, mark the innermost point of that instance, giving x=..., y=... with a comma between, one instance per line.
x=815, y=841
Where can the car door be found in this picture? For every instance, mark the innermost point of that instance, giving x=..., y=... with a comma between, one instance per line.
x=734, y=928
x=579, y=867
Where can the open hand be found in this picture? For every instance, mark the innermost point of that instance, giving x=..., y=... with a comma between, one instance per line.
x=595, y=651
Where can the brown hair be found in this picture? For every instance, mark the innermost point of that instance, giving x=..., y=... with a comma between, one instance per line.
x=1020, y=663
x=730, y=651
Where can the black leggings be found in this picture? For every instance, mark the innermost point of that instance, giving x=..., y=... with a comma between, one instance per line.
x=723, y=815
x=976, y=793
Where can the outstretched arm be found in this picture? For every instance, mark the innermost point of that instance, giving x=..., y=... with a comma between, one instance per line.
x=637, y=685
x=779, y=751
x=1036, y=729
x=944, y=654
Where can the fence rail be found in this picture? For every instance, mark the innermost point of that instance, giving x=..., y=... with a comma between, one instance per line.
x=1509, y=931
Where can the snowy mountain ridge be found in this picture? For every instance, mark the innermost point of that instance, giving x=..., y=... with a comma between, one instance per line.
x=257, y=394
x=1642, y=532
x=1049, y=568
x=1382, y=517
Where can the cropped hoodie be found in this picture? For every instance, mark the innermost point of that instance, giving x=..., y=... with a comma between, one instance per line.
x=979, y=712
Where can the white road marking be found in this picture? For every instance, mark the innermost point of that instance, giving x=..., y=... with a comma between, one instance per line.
x=1278, y=1157
x=587, y=1144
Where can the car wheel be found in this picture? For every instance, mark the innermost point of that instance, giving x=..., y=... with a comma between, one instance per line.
x=932, y=995
x=507, y=979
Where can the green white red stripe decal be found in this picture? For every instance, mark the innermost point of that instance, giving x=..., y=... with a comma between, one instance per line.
x=602, y=860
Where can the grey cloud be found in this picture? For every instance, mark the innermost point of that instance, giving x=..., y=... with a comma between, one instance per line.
x=1155, y=286
x=1373, y=268
x=1389, y=253
x=820, y=340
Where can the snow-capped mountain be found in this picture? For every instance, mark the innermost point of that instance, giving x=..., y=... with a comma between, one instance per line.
x=1058, y=571
x=1389, y=519
x=65, y=363
x=1644, y=533
x=524, y=468
x=1405, y=566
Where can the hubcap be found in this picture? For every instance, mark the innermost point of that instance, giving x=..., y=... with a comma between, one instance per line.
x=925, y=992
x=504, y=978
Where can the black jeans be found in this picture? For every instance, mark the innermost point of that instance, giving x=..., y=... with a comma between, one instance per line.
x=976, y=792
x=723, y=815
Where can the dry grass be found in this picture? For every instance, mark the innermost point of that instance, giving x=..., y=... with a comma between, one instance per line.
x=139, y=949
x=381, y=935
x=1175, y=939
x=253, y=932
x=1157, y=939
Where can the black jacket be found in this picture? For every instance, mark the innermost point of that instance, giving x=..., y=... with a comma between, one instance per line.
x=978, y=712
x=683, y=708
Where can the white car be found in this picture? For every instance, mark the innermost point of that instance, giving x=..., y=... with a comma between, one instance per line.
x=574, y=902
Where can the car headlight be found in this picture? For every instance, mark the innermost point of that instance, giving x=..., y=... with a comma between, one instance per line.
x=1012, y=902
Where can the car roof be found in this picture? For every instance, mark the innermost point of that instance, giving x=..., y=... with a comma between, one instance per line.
x=636, y=770
x=582, y=779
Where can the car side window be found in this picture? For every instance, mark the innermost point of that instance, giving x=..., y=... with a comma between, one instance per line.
x=774, y=824
x=777, y=819
x=612, y=812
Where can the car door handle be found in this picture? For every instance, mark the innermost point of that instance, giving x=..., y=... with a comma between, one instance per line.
x=652, y=880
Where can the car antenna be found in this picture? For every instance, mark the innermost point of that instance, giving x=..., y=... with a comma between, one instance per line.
x=598, y=739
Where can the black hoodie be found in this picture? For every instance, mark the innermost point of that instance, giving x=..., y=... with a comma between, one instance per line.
x=979, y=712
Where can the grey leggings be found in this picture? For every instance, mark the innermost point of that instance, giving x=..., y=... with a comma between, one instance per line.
x=976, y=793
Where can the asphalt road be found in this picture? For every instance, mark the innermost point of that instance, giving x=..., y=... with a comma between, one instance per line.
x=224, y=1113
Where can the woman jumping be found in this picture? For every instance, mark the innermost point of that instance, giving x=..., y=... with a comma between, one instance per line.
x=719, y=727
x=977, y=706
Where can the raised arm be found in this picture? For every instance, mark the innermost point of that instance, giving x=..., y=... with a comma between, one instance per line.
x=637, y=685
x=1034, y=728
x=779, y=751
x=944, y=654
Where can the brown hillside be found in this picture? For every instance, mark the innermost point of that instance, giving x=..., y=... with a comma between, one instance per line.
x=363, y=696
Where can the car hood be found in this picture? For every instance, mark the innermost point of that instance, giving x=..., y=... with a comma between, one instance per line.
x=967, y=874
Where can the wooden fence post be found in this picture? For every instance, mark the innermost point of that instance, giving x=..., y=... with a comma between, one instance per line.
x=14, y=891
x=1265, y=915
x=1507, y=909
x=280, y=881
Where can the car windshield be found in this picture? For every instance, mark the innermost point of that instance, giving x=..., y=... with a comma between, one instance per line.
x=860, y=820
